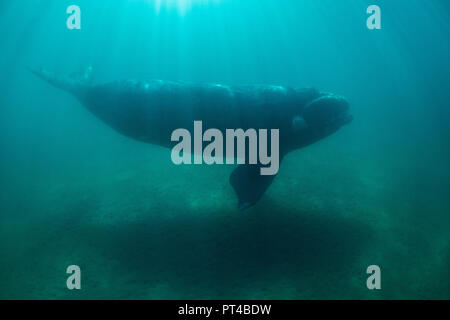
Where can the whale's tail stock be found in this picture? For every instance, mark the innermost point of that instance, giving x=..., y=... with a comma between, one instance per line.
x=73, y=84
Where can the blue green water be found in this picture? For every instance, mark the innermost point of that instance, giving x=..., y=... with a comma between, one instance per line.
x=73, y=191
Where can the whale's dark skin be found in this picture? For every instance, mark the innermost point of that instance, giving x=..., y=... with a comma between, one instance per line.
x=149, y=111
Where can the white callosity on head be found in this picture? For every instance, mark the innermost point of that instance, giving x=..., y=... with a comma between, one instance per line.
x=298, y=124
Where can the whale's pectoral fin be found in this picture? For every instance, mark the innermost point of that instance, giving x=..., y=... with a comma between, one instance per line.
x=249, y=184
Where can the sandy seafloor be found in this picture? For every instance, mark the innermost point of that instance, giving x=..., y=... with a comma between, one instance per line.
x=159, y=231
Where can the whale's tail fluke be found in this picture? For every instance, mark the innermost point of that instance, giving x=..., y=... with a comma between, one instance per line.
x=73, y=85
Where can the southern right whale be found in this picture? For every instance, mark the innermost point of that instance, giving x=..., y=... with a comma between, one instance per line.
x=149, y=111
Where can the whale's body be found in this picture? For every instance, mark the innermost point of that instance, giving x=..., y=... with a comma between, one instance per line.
x=149, y=111
x=155, y=108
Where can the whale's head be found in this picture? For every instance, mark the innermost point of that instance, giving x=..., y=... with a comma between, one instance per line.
x=321, y=117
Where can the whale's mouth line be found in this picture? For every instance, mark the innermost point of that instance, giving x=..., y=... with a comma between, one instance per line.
x=341, y=119
x=345, y=118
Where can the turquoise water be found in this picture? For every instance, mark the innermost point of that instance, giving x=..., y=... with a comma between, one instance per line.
x=73, y=191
